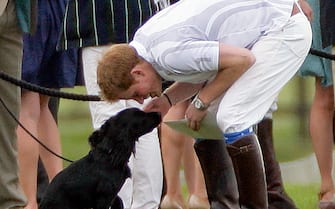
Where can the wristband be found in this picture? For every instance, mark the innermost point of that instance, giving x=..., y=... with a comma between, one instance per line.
x=168, y=99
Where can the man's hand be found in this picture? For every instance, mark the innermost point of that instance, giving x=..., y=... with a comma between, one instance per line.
x=306, y=8
x=194, y=117
x=158, y=104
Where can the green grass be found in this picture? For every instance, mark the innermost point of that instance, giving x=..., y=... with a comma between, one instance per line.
x=74, y=143
x=291, y=142
x=291, y=136
x=305, y=196
x=75, y=126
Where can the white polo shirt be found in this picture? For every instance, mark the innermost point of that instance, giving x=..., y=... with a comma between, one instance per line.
x=182, y=41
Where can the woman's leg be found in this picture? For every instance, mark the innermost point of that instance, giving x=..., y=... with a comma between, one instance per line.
x=321, y=130
x=194, y=177
x=48, y=133
x=188, y=160
x=172, y=150
x=28, y=147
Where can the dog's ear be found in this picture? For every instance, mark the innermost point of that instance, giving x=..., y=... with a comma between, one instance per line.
x=97, y=136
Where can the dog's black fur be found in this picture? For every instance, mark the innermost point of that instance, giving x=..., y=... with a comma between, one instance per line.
x=94, y=180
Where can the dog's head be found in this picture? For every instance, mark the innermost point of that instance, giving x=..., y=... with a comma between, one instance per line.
x=119, y=133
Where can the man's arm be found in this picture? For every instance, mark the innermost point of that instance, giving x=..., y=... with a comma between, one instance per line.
x=233, y=62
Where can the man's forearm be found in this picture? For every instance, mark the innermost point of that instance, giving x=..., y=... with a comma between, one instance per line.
x=179, y=91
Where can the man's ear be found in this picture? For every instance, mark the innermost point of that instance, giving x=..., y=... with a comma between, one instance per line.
x=137, y=71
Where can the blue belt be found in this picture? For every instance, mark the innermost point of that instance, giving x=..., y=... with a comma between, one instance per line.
x=232, y=137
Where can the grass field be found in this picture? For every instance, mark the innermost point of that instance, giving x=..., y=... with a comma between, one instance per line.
x=290, y=143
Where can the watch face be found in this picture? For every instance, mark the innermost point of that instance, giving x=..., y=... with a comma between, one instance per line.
x=197, y=104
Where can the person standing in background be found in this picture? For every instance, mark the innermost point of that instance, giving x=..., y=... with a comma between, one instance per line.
x=44, y=66
x=94, y=26
x=322, y=109
x=16, y=17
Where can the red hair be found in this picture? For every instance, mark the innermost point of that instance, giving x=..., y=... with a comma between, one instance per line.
x=113, y=72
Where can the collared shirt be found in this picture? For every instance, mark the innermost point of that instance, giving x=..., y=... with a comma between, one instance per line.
x=182, y=41
x=100, y=22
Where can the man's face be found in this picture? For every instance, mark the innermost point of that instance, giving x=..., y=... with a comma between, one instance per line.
x=146, y=85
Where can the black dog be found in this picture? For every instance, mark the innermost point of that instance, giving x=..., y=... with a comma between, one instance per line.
x=94, y=180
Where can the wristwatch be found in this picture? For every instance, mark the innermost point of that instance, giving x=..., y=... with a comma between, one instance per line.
x=198, y=104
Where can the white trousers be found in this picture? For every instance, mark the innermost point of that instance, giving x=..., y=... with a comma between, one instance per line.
x=144, y=188
x=278, y=57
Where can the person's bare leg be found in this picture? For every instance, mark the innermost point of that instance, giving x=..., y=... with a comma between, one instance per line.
x=172, y=149
x=28, y=147
x=49, y=134
x=321, y=130
x=188, y=160
x=194, y=177
x=200, y=186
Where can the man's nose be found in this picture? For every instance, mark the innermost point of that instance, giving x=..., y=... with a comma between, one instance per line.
x=140, y=100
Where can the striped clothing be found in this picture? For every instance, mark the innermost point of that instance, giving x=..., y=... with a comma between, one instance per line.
x=184, y=46
x=327, y=22
x=118, y=20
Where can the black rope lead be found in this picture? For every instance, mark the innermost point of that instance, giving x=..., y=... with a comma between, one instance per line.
x=47, y=91
x=322, y=54
x=28, y=132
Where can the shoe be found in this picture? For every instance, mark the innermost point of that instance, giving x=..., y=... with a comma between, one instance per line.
x=326, y=204
x=195, y=202
x=169, y=203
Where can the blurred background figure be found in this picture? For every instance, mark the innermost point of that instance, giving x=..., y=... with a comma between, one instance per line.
x=43, y=65
x=322, y=109
x=16, y=17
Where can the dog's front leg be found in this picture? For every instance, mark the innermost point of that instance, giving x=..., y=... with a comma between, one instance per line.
x=117, y=203
x=107, y=203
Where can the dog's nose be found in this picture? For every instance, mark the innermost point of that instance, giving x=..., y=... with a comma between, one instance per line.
x=159, y=115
